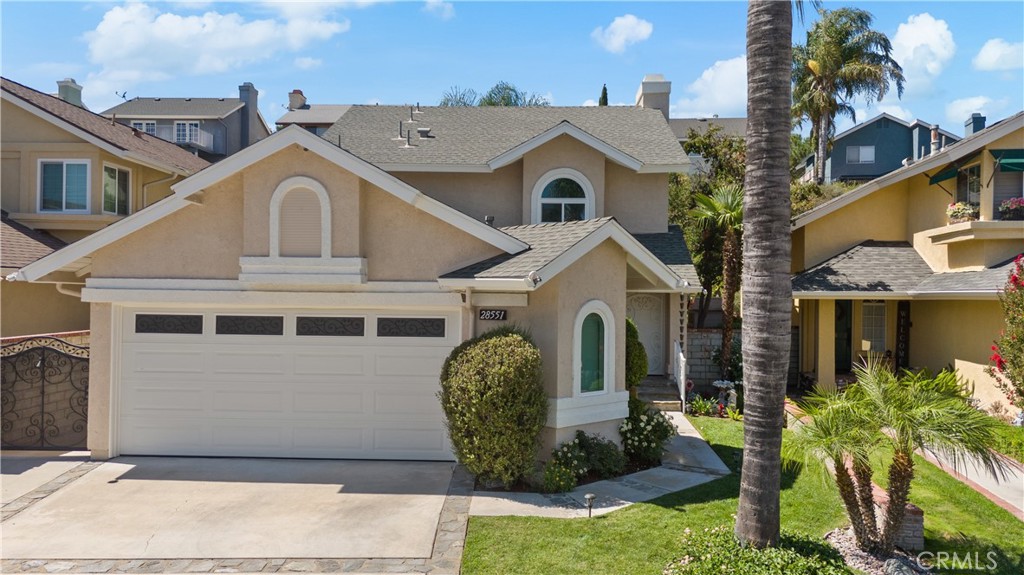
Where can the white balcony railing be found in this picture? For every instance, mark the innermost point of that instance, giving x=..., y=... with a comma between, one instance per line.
x=192, y=137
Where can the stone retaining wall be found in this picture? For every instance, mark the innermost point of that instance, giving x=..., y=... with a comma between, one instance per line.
x=911, y=536
x=702, y=343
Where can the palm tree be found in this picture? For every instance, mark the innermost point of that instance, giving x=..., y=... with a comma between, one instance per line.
x=722, y=211
x=456, y=96
x=843, y=58
x=767, y=292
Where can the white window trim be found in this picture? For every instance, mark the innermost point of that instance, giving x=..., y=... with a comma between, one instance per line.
x=605, y=312
x=885, y=319
x=103, y=175
x=144, y=124
x=277, y=199
x=860, y=153
x=88, y=185
x=557, y=173
x=187, y=123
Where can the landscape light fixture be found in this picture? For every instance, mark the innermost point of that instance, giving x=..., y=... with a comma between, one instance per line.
x=590, y=497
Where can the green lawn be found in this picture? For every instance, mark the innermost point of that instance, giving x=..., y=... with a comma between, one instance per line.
x=644, y=537
x=1010, y=441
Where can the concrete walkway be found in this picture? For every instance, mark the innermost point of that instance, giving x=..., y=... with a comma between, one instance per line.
x=1005, y=489
x=690, y=461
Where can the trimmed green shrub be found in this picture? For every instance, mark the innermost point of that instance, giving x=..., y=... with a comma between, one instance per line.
x=571, y=456
x=493, y=399
x=604, y=458
x=716, y=552
x=644, y=433
x=702, y=406
x=558, y=478
x=636, y=356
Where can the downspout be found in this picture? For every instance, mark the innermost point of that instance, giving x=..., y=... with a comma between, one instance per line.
x=468, y=304
x=60, y=288
x=145, y=187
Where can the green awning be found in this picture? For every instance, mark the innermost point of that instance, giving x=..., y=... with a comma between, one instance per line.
x=951, y=170
x=1009, y=160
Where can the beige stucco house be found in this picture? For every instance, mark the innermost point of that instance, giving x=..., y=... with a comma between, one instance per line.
x=881, y=270
x=67, y=173
x=298, y=298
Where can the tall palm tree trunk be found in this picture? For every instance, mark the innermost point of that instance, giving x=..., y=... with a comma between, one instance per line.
x=730, y=283
x=822, y=153
x=866, y=500
x=767, y=292
x=901, y=473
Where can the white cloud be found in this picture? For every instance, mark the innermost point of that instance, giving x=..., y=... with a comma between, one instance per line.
x=958, y=111
x=721, y=89
x=922, y=46
x=440, y=8
x=998, y=54
x=307, y=63
x=623, y=31
x=137, y=43
x=589, y=102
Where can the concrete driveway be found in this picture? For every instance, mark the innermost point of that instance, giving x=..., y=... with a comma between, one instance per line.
x=197, y=508
x=24, y=471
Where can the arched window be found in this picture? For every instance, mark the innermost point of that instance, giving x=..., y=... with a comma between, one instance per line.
x=594, y=349
x=300, y=219
x=563, y=195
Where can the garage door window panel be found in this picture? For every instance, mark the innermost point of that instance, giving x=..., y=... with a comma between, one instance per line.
x=250, y=325
x=169, y=323
x=330, y=326
x=411, y=327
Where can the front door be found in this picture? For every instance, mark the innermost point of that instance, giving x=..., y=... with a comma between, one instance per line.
x=648, y=312
x=844, y=335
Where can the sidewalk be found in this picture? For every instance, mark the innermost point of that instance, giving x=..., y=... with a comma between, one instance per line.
x=1005, y=489
x=689, y=461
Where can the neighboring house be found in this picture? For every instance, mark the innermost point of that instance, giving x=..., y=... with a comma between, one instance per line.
x=880, y=271
x=880, y=145
x=212, y=128
x=298, y=298
x=69, y=173
x=313, y=117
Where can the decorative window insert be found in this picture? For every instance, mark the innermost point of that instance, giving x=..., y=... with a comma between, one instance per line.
x=168, y=323
x=143, y=126
x=330, y=326
x=300, y=219
x=250, y=325
x=594, y=349
x=64, y=185
x=116, y=190
x=563, y=195
x=860, y=155
x=968, y=185
x=410, y=327
x=186, y=132
x=873, y=325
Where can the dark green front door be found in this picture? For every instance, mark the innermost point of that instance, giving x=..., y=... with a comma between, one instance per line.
x=844, y=334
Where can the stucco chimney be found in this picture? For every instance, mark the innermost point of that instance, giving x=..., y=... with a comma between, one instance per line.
x=296, y=100
x=655, y=92
x=974, y=124
x=248, y=94
x=935, y=139
x=69, y=91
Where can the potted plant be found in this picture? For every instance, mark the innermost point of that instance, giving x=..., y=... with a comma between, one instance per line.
x=962, y=212
x=1012, y=209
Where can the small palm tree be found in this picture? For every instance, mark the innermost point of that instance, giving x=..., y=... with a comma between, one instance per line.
x=723, y=211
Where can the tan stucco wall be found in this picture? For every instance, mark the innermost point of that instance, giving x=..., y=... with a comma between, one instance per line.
x=551, y=438
x=100, y=339
x=878, y=216
x=957, y=333
x=638, y=201
x=497, y=194
x=29, y=309
x=202, y=241
x=564, y=152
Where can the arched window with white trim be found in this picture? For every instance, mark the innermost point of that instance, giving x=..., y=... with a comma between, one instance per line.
x=300, y=219
x=563, y=195
x=594, y=349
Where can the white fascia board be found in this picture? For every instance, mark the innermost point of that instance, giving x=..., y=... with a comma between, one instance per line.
x=568, y=129
x=866, y=123
x=956, y=295
x=437, y=168
x=172, y=284
x=295, y=135
x=87, y=136
x=263, y=299
x=85, y=247
x=945, y=156
x=487, y=284
x=612, y=230
x=849, y=295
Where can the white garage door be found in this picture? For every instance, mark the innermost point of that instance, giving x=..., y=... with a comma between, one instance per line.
x=293, y=383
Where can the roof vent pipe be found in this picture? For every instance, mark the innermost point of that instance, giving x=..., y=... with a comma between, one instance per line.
x=424, y=133
x=935, y=139
x=418, y=111
x=489, y=220
x=411, y=112
x=401, y=134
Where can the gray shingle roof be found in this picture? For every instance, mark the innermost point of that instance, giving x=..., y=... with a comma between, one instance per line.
x=22, y=245
x=989, y=279
x=118, y=135
x=670, y=248
x=736, y=127
x=872, y=266
x=475, y=135
x=314, y=114
x=547, y=242
x=178, y=107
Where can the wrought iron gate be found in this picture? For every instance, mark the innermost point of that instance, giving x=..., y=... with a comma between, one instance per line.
x=44, y=394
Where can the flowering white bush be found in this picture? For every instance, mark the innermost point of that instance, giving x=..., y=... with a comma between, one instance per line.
x=570, y=455
x=644, y=433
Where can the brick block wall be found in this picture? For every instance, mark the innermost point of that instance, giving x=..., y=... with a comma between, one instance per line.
x=911, y=536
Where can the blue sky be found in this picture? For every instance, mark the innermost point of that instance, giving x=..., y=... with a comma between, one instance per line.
x=959, y=57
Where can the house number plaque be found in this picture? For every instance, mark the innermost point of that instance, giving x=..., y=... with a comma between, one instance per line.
x=493, y=314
